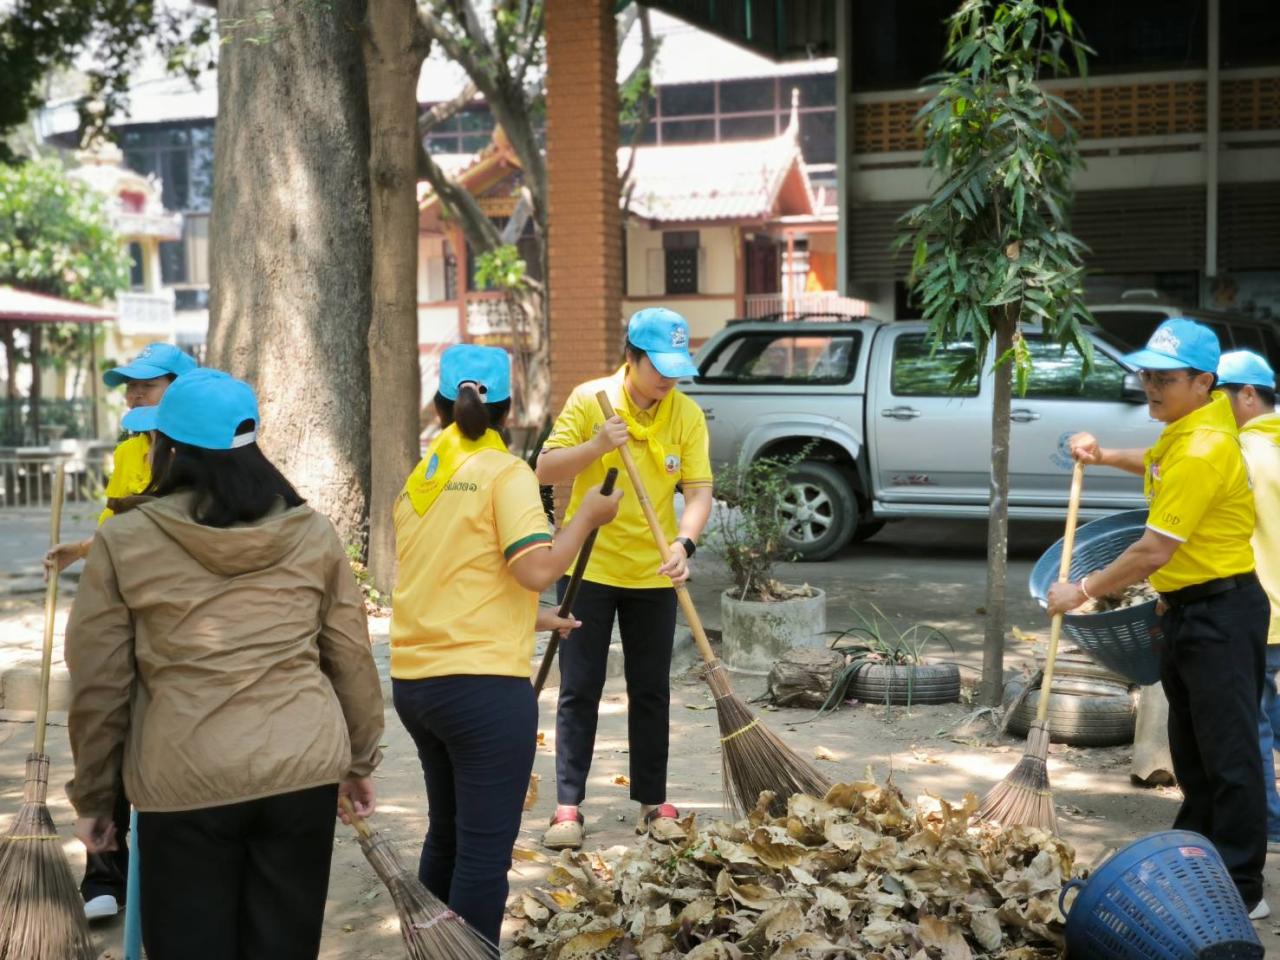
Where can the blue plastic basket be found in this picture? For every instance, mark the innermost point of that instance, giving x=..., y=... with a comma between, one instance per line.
x=1164, y=897
x=1121, y=640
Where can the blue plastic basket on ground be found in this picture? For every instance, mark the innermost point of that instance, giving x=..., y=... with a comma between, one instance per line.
x=1120, y=640
x=1164, y=897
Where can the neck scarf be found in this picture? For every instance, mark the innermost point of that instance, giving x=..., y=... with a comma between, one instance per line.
x=647, y=434
x=449, y=451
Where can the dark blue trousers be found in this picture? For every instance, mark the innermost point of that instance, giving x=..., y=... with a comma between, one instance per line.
x=476, y=737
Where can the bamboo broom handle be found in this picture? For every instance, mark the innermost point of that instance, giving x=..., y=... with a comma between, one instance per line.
x=50, y=609
x=1064, y=574
x=660, y=538
x=357, y=821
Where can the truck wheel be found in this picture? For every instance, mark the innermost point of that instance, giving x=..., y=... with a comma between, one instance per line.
x=822, y=509
x=867, y=529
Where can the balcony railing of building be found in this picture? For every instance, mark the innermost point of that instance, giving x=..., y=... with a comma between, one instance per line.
x=146, y=314
x=782, y=306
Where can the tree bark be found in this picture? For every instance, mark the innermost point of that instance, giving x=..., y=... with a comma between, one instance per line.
x=998, y=520
x=290, y=246
x=393, y=52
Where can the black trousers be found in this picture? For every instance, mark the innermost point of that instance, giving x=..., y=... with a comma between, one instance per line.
x=1214, y=655
x=245, y=881
x=647, y=622
x=476, y=736
x=105, y=874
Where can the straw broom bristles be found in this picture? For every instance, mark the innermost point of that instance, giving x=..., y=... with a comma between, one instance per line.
x=430, y=930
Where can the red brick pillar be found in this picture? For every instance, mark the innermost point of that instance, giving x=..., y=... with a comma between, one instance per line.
x=585, y=227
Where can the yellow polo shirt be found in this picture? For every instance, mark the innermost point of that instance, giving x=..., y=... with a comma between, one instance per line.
x=1198, y=490
x=130, y=471
x=1260, y=440
x=677, y=452
x=457, y=608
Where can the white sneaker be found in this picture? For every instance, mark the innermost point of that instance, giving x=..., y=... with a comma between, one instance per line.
x=100, y=908
x=1261, y=911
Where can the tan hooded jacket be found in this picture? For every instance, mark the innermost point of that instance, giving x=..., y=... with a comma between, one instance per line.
x=217, y=665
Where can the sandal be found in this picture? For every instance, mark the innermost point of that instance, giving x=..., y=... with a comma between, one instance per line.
x=662, y=824
x=565, y=833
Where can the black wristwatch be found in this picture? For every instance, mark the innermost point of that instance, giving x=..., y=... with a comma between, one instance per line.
x=690, y=548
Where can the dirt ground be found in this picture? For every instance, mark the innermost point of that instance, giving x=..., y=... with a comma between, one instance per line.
x=1099, y=808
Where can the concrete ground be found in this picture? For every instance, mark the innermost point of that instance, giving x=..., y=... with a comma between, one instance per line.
x=913, y=571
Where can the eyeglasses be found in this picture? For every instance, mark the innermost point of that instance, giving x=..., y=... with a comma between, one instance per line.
x=1152, y=378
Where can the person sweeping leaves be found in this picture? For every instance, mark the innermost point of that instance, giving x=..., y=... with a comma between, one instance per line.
x=474, y=551
x=219, y=656
x=145, y=379
x=1196, y=552
x=625, y=579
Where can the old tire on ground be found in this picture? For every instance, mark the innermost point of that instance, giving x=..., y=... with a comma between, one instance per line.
x=1081, y=713
x=822, y=508
x=928, y=683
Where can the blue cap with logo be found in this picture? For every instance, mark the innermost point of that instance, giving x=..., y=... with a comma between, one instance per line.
x=1246, y=368
x=202, y=408
x=1177, y=344
x=155, y=360
x=664, y=337
x=487, y=368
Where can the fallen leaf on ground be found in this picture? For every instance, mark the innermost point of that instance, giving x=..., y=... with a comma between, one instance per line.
x=822, y=753
x=622, y=780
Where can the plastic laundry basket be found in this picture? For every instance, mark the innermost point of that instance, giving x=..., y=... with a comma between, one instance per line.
x=1122, y=640
x=1164, y=897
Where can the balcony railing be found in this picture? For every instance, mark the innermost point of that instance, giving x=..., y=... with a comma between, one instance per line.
x=781, y=306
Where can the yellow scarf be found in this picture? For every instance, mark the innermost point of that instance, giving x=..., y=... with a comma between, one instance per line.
x=647, y=435
x=447, y=452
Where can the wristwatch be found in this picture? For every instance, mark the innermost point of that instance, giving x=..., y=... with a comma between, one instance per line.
x=690, y=548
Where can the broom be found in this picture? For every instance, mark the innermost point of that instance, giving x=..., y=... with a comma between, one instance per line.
x=753, y=759
x=1024, y=796
x=430, y=930
x=41, y=910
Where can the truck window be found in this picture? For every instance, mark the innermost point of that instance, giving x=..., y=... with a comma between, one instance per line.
x=784, y=357
x=1131, y=327
x=1247, y=338
x=920, y=370
x=1058, y=374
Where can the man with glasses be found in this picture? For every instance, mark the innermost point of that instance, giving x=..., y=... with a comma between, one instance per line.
x=1214, y=614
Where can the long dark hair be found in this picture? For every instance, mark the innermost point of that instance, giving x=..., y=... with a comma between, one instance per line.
x=230, y=486
x=472, y=415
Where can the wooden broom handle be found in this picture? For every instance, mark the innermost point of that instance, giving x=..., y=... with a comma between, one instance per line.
x=50, y=607
x=1064, y=574
x=357, y=821
x=660, y=538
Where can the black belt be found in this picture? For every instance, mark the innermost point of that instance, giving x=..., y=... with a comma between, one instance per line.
x=1210, y=588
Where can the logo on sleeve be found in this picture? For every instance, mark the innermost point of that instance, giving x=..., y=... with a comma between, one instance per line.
x=672, y=463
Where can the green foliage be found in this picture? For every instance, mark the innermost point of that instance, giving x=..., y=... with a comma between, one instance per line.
x=55, y=237
x=751, y=524
x=501, y=268
x=991, y=247
x=375, y=601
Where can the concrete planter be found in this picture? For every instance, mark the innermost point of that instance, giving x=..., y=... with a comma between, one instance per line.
x=756, y=634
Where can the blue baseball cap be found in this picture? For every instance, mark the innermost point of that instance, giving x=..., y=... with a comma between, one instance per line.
x=488, y=368
x=664, y=337
x=1179, y=343
x=202, y=408
x=1246, y=367
x=155, y=360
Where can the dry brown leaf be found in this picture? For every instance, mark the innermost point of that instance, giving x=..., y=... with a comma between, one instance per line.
x=938, y=934
x=622, y=780
x=586, y=945
x=542, y=739
x=531, y=792
x=822, y=753
x=528, y=855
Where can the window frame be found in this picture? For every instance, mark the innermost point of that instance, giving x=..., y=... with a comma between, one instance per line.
x=856, y=337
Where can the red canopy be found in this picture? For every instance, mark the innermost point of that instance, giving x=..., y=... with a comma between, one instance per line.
x=23, y=306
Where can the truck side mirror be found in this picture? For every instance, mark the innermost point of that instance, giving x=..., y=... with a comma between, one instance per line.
x=1131, y=391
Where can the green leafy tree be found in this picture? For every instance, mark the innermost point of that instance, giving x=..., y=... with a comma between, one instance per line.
x=992, y=250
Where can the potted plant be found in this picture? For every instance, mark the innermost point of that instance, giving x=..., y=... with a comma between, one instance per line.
x=887, y=665
x=761, y=618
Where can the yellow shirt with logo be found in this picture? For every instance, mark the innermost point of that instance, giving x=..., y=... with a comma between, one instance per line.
x=130, y=471
x=675, y=452
x=1260, y=440
x=457, y=608
x=1198, y=489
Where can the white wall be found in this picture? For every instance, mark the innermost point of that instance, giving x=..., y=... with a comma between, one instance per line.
x=431, y=286
x=645, y=276
x=706, y=315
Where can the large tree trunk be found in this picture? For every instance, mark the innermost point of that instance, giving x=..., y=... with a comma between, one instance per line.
x=393, y=56
x=998, y=521
x=290, y=248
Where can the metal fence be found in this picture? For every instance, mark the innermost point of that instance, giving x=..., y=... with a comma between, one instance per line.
x=59, y=419
x=27, y=477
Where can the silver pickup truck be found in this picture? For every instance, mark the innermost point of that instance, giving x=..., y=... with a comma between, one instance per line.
x=888, y=438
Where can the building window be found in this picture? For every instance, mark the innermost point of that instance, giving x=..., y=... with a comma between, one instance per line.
x=467, y=132
x=136, y=275
x=680, y=255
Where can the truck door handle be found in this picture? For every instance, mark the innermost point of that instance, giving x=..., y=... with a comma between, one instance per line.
x=901, y=413
x=1023, y=416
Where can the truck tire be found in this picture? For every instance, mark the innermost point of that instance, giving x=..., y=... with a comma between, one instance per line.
x=866, y=529
x=1079, y=719
x=914, y=685
x=823, y=509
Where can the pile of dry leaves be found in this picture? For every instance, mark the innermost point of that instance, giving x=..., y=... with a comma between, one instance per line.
x=860, y=874
x=1134, y=596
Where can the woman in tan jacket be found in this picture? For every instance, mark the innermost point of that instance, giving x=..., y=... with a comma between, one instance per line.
x=220, y=667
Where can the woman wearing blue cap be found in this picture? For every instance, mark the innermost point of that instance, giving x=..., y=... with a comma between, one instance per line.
x=474, y=551
x=626, y=579
x=145, y=379
x=1196, y=552
x=219, y=658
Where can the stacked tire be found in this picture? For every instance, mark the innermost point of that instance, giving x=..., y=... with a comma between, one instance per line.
x=1090, y=706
